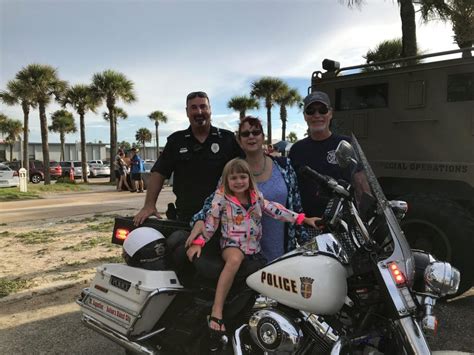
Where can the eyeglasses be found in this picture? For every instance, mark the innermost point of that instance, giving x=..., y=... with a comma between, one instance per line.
x=254, y=133
x=195, y=94
x=312, y=110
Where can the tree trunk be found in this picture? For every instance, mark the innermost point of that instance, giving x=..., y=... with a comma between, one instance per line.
x=144, y=150
x=407, y=16
x=62, y=138
x=283, y=117
x=113, y=139
x=269, y=122
x=44, y=142
x=242, y=115
x=24, y=161
x=83, y=147
x=11, y=152
x=157, y=140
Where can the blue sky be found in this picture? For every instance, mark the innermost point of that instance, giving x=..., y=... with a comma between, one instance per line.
x=169, y=48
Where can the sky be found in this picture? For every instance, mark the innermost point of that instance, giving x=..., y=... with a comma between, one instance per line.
x=169, y=48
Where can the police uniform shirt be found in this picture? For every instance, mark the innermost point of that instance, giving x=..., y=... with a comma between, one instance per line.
x=319, y=156
x=197, y=166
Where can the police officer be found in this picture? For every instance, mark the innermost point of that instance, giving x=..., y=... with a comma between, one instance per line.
x=196, y=155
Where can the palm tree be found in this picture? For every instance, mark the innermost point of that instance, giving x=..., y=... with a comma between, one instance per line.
x=19, y=92
x=143, y=135
x=112, y=86
x=12, y=129
x=407, y=16
x=268, y=89
x=242, y=104
x=43, y=83
x=118, y=113
x=158, y=117
x=292, y=137
x=63, y=123
x=81, y=99
x=288, y=98
x=461, y=15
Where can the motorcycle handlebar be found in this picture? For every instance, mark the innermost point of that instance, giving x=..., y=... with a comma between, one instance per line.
x=306, y=170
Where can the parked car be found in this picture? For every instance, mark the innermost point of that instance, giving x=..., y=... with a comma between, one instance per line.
x=36, y=169
x=101, y=162
x=55, y=169
x=99, y=169
x=66, y=167
x=8, y=177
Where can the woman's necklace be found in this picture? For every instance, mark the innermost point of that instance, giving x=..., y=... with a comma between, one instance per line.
x=263, y=169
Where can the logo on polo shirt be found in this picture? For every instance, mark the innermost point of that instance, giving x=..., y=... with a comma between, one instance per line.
x=331, y=158
x=183, y=150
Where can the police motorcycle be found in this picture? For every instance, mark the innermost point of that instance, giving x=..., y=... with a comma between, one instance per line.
x=355, y=288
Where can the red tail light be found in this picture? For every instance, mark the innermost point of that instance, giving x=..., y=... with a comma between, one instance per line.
x=121, y=233
x=397, y=275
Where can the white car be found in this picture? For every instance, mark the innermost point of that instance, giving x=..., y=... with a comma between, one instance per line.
x=97, y=169
x=8, y=177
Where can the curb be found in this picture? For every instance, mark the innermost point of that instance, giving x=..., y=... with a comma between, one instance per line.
x=39, y=291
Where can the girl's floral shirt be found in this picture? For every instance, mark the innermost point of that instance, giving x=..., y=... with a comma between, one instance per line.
x=294, y=233
x=241, y=227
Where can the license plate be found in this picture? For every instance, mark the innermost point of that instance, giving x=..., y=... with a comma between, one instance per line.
x=3, y=181
x=112, y=311
x=120, y=283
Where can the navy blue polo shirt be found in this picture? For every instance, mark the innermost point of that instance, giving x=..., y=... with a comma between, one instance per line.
x=319, y=156
x=197, y=166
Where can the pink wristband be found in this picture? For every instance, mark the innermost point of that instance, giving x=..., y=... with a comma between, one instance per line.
x=199, y=241
x=300, y=218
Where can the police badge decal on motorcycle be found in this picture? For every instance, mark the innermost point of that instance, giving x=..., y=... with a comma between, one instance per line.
x=306, y=286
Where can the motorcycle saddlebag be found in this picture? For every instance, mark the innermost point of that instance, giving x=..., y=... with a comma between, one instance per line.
x=127, y=299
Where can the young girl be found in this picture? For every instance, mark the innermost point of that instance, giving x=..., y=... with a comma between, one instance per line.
x=238, y=206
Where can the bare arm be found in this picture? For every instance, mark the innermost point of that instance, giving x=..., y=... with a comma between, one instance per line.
x=155, y=184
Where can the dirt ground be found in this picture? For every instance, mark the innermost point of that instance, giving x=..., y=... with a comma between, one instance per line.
x=62, y=253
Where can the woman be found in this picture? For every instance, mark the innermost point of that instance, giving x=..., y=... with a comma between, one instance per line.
x=122, y=171
x=276, y=179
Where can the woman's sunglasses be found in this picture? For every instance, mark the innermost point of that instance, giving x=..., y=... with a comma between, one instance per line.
x=254, y=133
x=312, y=110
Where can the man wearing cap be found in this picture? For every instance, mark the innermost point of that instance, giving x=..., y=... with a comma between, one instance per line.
x=196, y=156
x=136, y=171
x=318, y=152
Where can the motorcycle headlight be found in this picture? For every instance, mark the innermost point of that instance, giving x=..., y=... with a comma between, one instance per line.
x=441, y=278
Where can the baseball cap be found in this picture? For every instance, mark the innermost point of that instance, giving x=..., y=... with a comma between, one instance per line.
x=317, y=96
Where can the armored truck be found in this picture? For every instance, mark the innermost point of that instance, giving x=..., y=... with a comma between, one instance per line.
x=414, y=118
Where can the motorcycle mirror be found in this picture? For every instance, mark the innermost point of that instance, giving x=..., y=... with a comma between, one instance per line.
x=344, y=153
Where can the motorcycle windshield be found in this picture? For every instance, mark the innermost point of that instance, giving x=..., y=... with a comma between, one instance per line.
x=401, y=253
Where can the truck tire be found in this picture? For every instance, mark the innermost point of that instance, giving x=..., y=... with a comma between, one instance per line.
x=442, y=228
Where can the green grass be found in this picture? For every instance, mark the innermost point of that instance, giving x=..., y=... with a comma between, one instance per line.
x=102, y=227
x=35, y=191
x=5, y=234
x=13, y=193
x=10, y=286
x=90, y=243
x=37, y=237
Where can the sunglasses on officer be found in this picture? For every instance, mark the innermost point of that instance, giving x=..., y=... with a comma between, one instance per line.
x=254, y=133
x=311, y=110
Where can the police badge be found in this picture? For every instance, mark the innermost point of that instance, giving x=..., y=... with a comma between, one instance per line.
x=215, y=147
x=306, y=286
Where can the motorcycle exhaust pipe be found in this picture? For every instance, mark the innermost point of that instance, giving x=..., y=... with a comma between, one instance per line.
x=118, y=338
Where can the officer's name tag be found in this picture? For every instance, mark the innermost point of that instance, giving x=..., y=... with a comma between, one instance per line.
x=183, y=150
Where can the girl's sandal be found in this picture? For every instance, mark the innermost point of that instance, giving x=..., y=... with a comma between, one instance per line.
x=220, y=322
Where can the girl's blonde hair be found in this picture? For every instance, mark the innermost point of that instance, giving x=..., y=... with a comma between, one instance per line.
x=237, y=166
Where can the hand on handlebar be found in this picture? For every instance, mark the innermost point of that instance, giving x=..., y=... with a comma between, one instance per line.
x=314, y=222
x=144, y=213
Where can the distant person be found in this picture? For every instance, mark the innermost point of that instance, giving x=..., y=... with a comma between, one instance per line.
x=122, y=171
x=318, y=151
x=237, y=207
x=136, y=170
x=196, y=156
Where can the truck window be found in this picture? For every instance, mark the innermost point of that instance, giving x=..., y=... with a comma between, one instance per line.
x=362, y=97
x=461, y=87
